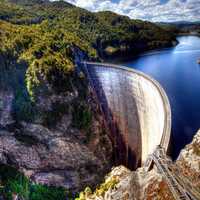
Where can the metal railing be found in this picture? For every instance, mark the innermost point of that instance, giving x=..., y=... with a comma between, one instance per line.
x=179, y=189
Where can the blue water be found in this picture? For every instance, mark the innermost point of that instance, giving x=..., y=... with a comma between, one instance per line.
x=176, y=69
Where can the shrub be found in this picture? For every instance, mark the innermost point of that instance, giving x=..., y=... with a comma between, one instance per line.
x=83, y=195
x=23, y=107
x=40, y=192
x=103, y=188
x=52, y=117
x=15, y=182
x=82, y=116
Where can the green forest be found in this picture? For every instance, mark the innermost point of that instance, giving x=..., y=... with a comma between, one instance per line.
x=45, y=35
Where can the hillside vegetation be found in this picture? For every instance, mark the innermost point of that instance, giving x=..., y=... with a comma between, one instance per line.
x=182, y=28
x=45, y=34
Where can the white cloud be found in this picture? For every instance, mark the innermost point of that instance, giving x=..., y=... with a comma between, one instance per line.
x=153, y=10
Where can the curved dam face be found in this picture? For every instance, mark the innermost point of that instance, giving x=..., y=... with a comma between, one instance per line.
x=135, y=108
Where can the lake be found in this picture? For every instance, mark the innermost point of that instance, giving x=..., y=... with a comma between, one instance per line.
x=177, y=70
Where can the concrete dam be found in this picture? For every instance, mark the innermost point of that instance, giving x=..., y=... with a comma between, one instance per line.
x=135, y=108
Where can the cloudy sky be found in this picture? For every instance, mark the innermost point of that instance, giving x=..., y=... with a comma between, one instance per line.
x=153, y=10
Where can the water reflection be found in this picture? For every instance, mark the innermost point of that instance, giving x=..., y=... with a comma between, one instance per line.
x=178, y=72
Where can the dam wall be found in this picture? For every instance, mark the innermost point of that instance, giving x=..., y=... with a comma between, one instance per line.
x=136, y=109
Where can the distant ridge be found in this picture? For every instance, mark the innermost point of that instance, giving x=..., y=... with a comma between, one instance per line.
x=180, y=23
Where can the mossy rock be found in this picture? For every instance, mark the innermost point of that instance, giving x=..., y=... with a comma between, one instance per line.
x=110, y=184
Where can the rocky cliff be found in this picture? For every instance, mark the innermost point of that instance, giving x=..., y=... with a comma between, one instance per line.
x=189, y=161
x=57, y=146
x=122, y=183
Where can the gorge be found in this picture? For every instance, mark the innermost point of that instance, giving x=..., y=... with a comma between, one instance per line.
x=53, y=136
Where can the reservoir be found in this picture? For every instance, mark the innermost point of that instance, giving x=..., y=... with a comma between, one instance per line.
x=178, y=72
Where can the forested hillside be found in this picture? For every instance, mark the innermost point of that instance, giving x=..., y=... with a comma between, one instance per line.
x=104, y=30
x=182, y=28
x=45, y=34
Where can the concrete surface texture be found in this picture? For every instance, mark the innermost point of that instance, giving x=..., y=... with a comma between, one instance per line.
x=136, y=110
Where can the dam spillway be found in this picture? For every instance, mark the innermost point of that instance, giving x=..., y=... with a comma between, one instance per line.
x=136, y=110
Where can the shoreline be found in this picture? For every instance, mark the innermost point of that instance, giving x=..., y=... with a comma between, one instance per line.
x=188, y=34
x=119, y=59
x=123, y=59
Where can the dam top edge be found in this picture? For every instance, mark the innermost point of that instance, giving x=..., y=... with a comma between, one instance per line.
x=166, y=135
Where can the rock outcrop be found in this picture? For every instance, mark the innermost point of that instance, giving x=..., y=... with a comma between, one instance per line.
x=189, y=161
x=123, y=184
x=138, y=185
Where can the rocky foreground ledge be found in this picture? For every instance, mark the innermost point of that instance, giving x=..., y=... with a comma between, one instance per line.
x=123, y=184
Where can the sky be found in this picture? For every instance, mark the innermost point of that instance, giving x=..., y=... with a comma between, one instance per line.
x=151, y=10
